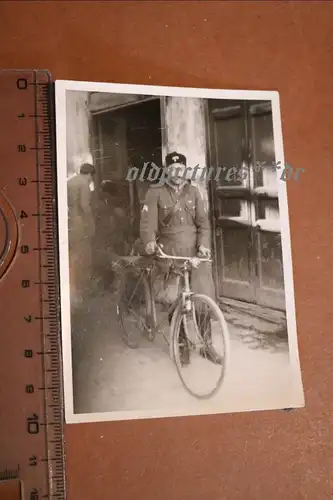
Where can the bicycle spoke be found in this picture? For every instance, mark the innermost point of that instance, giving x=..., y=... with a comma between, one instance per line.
x=200, y=337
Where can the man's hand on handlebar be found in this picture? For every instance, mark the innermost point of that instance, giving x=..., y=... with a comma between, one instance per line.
x=151, y=247
x=154, y=248
x=204, y=252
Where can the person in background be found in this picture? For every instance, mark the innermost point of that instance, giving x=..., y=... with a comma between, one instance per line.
x=81, y=230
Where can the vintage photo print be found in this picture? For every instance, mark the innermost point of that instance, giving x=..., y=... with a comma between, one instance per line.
x=177, y=292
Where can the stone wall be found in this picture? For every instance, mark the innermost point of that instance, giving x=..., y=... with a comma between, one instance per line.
x=77, y=124
x=80, y=217
x=185, y=132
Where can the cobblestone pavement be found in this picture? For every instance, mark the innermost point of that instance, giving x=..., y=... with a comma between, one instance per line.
x=110, y=377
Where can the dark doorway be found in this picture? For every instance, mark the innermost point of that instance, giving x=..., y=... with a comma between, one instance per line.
x=122, y=138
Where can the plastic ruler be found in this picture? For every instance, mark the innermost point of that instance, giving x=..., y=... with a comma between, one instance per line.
x=31, y=406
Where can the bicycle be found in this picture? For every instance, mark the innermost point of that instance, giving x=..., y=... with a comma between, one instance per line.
x=138, y=309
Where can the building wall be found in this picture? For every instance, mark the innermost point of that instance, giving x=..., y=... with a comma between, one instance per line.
x=102, y=101
x=77, y=124
x=80, y=217
x=185, y=132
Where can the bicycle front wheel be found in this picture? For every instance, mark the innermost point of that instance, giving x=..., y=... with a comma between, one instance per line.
x=200, y=346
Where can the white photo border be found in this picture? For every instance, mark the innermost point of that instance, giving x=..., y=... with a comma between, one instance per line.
x=61, y=87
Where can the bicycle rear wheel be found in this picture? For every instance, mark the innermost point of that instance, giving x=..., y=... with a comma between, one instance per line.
x=136, y=311
x=201, y=338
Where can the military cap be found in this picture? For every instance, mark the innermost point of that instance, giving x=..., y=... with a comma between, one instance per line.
x=174, y=158
x=87, y=168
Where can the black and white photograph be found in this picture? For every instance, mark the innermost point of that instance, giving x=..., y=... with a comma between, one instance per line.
x=176, y=276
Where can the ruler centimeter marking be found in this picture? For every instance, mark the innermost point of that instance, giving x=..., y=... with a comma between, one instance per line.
x=41, y=465
x=45, y=177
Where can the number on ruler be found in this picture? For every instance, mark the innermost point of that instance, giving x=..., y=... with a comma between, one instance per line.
x=21, y=148
x=28, y=353
x=23, y=181
x=29, y=389
x=23, y=214
x=22, y=83
x=22, y=115
x=33, y=424
x=28, y=319
x=33, y=461
x=40, y=91
x=25, y=283
x=24, y=249
x=34, y=495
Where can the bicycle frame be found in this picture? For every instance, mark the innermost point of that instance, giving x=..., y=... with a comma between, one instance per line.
x=186, y=330
x=188, y=263
x=147, y=275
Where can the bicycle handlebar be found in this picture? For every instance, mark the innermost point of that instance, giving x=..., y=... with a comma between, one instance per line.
x=163, y=255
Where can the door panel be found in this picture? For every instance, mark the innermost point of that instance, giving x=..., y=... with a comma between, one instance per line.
x=228, y=135
x=268, y=252
x=262, y=147
x=236, y=262
x=230, y=199
x=236, y=270
x=245, y=204
x=271, y=269
x=270, y=289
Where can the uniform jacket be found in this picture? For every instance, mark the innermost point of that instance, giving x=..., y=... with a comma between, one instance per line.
x=190, y=223
x=187, y=229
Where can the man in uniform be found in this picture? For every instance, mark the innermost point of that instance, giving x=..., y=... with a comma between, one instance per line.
x=174, y=213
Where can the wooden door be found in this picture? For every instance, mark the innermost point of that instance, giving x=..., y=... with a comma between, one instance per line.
x=244, y=201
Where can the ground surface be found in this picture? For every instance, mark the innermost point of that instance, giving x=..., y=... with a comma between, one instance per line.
x=109, y=377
